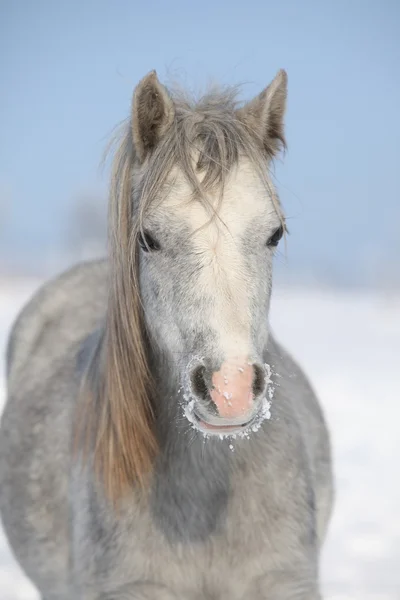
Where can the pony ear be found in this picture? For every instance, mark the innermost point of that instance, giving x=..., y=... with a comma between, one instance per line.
x=152, y=114
x=263, y=115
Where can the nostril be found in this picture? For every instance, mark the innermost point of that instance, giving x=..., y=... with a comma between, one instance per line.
x=199, y=384
x=258, y=381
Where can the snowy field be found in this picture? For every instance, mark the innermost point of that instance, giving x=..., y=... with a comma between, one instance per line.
x=349, y=344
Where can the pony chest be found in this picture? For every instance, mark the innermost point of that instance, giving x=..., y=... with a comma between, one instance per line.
x=195, y=501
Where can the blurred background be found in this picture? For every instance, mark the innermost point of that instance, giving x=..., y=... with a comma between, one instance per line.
x=67, y=72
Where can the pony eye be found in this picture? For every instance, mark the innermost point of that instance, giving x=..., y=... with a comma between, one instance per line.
x=147, y=242
x=275, y=237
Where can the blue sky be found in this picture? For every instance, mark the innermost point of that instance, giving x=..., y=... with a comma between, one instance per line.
x=68, y=69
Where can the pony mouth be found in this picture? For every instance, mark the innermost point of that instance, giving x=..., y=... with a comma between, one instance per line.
x=224, y=429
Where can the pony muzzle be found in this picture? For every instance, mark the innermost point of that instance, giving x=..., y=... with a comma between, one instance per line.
x=227, y=399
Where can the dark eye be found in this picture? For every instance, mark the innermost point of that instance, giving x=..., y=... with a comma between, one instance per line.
x=147, y=242
x=275, y=237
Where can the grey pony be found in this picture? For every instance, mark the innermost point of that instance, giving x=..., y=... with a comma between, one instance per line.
x=239, y=518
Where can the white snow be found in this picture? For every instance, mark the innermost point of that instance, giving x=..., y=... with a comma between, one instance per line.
x=349, y=344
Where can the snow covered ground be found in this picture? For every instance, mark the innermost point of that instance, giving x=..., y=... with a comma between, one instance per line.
x=349, y=344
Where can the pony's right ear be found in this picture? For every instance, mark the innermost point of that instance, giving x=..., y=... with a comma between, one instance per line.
x=153, y=113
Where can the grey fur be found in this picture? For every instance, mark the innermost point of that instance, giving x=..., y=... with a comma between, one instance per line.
x=217, y=522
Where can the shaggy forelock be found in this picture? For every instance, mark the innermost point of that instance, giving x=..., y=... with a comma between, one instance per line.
x=206, y=140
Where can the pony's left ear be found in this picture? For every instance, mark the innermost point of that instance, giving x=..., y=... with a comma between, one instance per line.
x=263, y=115
x=152, y=114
